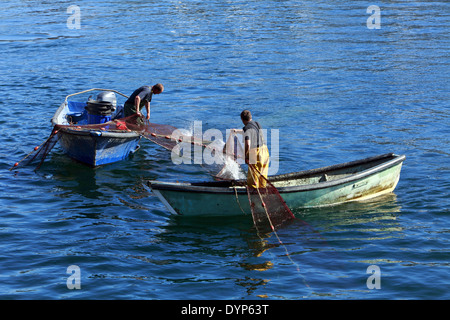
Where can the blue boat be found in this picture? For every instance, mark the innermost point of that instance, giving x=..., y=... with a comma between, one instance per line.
x=87, y=143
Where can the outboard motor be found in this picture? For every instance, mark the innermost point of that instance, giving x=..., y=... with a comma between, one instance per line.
x=107, y=96
x=100, y=110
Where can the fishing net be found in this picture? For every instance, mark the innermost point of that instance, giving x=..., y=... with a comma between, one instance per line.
x=39, y=153
x=216, y=157
x=166, y=136
x=157, y=133
x=269, y=210
x=232, y=154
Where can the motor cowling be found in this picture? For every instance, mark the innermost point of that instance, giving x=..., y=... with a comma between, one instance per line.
x=100, y=110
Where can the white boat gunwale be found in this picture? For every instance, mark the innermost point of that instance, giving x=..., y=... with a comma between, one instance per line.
x=86, y=131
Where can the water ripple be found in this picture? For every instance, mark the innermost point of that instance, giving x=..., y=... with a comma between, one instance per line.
x=336, y=91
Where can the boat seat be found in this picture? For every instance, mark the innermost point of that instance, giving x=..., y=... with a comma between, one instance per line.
x=75, y=117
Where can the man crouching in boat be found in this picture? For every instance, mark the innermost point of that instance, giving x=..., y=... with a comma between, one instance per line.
x=256, y=151
x=140, y=97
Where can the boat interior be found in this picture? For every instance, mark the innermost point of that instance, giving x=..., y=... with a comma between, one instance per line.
x=82, y=113
x=102, y=109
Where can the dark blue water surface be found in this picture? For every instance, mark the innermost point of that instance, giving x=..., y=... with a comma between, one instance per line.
x=336, y=90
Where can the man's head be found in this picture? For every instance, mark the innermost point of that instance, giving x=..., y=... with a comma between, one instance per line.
x=246, y=116
x=158, y=88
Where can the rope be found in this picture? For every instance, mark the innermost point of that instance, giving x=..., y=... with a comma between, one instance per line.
x=94, y=89
x=237, y=200
x=35, y=149
x=253, y=169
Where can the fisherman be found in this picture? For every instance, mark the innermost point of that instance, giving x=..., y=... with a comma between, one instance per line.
x=256, y=151
x=141, y=97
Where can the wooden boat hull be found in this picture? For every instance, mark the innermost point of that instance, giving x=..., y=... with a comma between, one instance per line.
x=352, y=181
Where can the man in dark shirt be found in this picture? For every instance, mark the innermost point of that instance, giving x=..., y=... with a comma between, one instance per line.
x=256, y=151
x=141, y=97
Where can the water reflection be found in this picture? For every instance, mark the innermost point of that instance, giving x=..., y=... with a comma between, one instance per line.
x=378, y=213
x=310, y=248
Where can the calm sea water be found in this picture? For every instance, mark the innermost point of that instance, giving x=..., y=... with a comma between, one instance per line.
x=337, y=91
